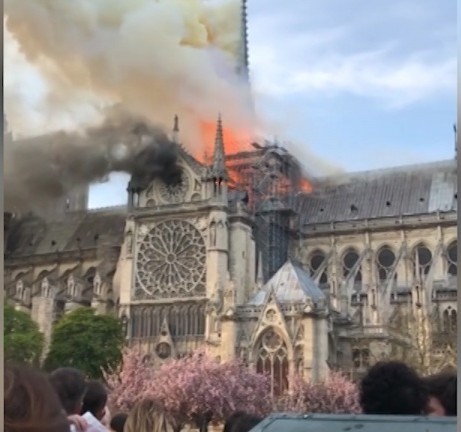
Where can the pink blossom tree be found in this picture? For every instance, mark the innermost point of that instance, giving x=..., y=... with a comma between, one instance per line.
x=128, y=383
x=334, y=395
x=199, y=389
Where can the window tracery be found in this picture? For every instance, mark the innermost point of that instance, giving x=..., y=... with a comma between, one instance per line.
x=350, y=259
x=385, y=261
x=315, y=262
x=272, y=359
x=186, y=320
x=422, y=260
x=176, y=191
x=361, y=358
x=171, y=260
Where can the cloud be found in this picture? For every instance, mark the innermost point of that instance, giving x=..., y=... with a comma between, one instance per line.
x=335, y=58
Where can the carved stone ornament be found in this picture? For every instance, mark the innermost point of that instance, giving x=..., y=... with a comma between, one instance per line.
x=171, y=260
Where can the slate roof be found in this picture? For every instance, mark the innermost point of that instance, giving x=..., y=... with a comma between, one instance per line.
x=82, y=230
x=291, y=284
x=410, y=190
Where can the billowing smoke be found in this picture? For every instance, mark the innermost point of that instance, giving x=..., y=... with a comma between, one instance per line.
x=42, y=169
x=157, y=58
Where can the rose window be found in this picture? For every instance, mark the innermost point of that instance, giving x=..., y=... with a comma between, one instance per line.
x=271, y=341
x=171, y=260
x=175, y=191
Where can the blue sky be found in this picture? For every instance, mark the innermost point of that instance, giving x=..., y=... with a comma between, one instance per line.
x=367, y=84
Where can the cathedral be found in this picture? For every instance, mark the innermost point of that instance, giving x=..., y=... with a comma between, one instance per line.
x=249, y=259
x=239, y=257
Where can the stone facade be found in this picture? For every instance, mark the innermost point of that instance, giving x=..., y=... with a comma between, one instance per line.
x=181, y=268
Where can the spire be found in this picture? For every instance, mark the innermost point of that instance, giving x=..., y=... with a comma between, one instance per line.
x=243, y=63
x=218, y=168
x=455, y=130
x=175, y=134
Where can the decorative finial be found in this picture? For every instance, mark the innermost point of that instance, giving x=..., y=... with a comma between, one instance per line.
x=176, y=124
x=175, y=134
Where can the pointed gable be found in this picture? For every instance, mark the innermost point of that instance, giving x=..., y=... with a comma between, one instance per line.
x=291, y=284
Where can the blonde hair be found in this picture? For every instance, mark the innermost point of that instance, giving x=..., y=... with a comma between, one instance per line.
x=147, y=416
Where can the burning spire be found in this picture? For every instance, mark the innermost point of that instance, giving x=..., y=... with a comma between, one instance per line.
x=243, y=61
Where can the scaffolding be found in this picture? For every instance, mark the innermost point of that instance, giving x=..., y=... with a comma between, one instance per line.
x=272, y=178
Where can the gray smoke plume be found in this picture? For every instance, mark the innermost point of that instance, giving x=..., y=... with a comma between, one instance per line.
x=40, y=170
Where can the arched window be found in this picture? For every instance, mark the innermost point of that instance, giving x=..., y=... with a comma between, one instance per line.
x=299, y=359
x=315, y=262
x=272, y=359
x=449, y=321
x=201, y=320
x=453, y=322
x=361, y=358
x=422, y=260
x=385, y=260
x=452, y=258
x=350, y=259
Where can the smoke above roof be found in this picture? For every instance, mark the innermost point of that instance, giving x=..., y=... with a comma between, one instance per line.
x=42, y=169
x=157, y=58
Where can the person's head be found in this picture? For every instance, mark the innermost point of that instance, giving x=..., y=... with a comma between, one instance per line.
x=30, y=403
x=70, y=386
x=231, y=420
x=117, y=424
x=95, y=399
x=245, y=423
x=147, y=416
x=442, y=394
x=392, y=388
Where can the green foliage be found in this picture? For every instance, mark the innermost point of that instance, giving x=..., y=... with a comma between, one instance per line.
x=87, y=341
x=23, y=342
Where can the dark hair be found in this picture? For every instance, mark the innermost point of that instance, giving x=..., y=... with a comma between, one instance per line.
x=30, y=403
x=70, y=386
x=231, y=421
x=95, y=399
x=118, y=422
x=443, y=387
x=392, y=388
x=245, y=423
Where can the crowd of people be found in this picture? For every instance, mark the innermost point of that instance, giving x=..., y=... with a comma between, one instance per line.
x=65, y=401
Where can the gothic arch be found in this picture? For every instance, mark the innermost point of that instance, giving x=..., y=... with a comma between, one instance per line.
x=422, y=259
x=271, y=358
x=449, y=321
x=385, y=260
x=315, y=260
x=299, y=359
x=349, y=259
x=88, y=281
x=452, y=258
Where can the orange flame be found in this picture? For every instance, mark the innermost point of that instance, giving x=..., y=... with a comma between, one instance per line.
x=234, y=140
x=305, y=185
